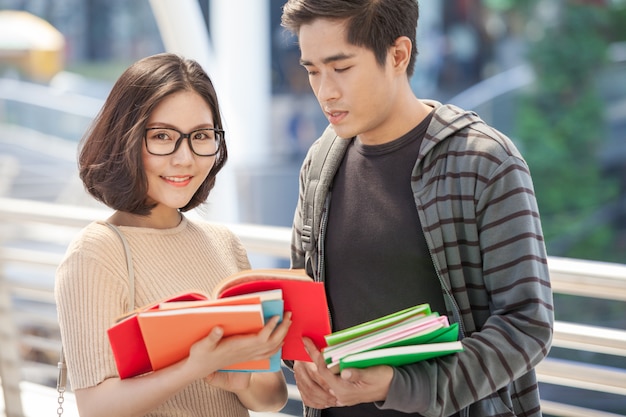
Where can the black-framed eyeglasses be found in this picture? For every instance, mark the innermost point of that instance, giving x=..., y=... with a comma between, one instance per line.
x=166, y=140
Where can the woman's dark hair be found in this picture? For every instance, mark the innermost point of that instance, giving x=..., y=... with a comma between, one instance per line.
x=110, y=159
x=372, y=24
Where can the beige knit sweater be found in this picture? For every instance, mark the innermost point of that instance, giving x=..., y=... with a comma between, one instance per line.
x=92, y=290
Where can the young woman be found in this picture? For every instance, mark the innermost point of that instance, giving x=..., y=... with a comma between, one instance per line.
x=153, y=153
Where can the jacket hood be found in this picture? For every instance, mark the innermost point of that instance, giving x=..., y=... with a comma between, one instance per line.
x=447, y=120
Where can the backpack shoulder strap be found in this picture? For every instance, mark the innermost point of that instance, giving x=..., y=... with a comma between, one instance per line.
x=318, y=160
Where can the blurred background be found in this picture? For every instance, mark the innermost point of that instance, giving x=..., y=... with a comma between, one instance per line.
x=551, y=74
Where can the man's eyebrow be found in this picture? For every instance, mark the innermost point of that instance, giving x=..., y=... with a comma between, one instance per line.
x=328, y=60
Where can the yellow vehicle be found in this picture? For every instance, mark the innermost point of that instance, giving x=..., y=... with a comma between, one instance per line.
x=31, y=45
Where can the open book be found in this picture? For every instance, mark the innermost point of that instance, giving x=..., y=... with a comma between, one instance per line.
x=406, y=336
x=160, y=334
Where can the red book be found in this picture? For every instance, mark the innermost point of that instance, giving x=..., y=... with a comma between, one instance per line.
x=161, y=333
x=129, y=349
x=305, y=299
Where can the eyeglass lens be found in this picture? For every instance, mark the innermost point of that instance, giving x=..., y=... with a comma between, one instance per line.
x=165, y=141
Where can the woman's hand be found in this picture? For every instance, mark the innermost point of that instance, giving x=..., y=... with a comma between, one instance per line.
x=216, y=352
x=258, y=391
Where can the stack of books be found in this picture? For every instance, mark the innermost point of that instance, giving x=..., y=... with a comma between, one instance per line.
x=160, y=334
x=404, y=337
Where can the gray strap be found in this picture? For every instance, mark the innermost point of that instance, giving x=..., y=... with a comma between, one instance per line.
x=313, y=180
x=62, y=378
x=129, y=265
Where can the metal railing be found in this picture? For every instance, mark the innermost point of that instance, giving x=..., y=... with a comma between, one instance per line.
x=54, y=224
x=44, y=109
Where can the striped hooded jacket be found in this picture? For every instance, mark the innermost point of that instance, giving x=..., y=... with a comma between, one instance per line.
x=475, y=200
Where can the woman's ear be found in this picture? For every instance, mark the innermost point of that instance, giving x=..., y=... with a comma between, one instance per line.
x=400, y=53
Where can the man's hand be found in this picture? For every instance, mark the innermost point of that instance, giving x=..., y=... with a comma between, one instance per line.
x=314, y=390
x=320, y=388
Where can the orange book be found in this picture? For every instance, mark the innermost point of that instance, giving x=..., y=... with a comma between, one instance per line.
x=162, y=333
x=126, y=340
x=168, y=334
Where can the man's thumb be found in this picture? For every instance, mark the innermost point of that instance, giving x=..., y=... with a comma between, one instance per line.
x=350, y=374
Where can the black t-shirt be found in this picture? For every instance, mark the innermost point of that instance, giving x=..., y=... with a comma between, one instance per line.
x=377, y=261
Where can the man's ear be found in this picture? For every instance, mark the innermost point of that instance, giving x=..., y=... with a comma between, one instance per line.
x=400, y=53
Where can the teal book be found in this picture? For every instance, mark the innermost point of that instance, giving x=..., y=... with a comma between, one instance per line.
x=272, y=305
x=270, y=308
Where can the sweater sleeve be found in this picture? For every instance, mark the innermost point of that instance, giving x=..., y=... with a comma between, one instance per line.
x=91, y=291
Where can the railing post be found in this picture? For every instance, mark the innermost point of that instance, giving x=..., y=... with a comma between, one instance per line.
x=10, y=367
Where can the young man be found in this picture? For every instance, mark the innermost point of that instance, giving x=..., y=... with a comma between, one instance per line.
x=417, y=202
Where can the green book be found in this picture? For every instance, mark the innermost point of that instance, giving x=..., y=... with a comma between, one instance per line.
x=376, y=324
x=417, y=329
x=399, y=355
x=400, y=338
x=443, y=334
